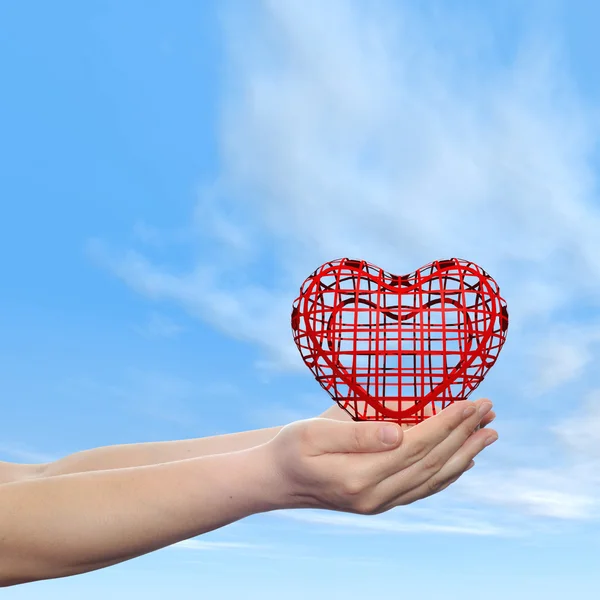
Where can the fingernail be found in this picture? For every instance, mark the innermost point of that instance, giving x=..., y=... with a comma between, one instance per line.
x=485, y=408
x=471, y=465
x=469, y=411
x=388, y=434
x=491, y=440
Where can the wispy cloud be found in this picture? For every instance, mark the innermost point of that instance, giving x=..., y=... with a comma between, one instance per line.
x=563, y=354
x=392, y=525
x=375, y=140
x=294, y=408
x=580, y=433
x=566, y=488
x=204, y=545
x=162, y=396
x=392, y=138
x=545, y=493
x=159, y=326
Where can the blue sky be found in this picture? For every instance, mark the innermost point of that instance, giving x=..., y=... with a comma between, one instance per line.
x=171, y=172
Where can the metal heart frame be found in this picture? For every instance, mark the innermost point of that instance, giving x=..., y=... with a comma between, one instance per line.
x=399, y=348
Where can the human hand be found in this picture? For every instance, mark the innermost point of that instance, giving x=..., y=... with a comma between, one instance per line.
x=346, y=465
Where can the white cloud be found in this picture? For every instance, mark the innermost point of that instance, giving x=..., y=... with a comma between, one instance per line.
x=567, y=487
x=378, y=524
x=356, y=130
x=161, y=396
x=206, y=545
x=159, y=326
x=580, y=434
x=251, y=314
x=562, y=355
x=373, y=139
x=546, y=493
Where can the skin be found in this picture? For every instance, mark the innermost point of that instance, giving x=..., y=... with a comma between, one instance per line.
x=109, y=505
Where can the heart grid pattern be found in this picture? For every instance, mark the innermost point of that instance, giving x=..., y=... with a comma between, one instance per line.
x=399, y=348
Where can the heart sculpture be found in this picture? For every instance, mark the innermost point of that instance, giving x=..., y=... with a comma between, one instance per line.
x=399, y=348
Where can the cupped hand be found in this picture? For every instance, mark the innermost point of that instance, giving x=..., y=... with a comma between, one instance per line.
x=371, y=467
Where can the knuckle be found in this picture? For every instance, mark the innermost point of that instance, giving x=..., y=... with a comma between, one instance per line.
x=451, y=424
x=446, y=484
x=305, y=434
x=434, y=485
x=469, y=426
x=432, y=463
x=417, y=449
x=453, y=480
x=352, y=486
x=357, y=483
x=357, y=438
x=367, y=506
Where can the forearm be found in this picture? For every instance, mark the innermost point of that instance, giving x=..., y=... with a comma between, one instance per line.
x=105, y=517
x=152, y=453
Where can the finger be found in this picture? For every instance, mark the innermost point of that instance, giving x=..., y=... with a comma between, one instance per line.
x=467, y=453
x=427, y=412
x=421, y=493
x=419, y=481
x=431, y=433
x=448, y=447
x=452, y=470
x=448, y=483
x=438, y=458
x=454, y=423
x=487, y=419
x=324, y=436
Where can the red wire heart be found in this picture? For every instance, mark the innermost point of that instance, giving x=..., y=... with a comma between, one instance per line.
x=399, y=348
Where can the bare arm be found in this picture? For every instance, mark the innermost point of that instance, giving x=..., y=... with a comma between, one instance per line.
x=109, y=516
x=10, y=472
x=106, y=517
x=151, y=453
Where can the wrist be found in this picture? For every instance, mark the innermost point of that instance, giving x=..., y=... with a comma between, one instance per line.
x=261, y=480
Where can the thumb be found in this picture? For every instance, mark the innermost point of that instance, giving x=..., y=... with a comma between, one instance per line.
x=357, y=436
